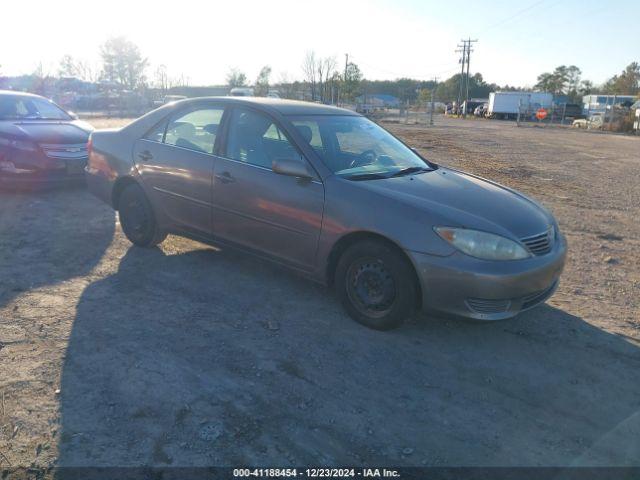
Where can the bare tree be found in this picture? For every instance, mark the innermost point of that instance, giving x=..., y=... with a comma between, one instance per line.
x=181, y=81
x=235, y=78
x=318, y=72
x=67, y=67
x=76, y=68
x=165, y=82
x=286, y=87
x=262, y=82
x=334, y=83
x=162, y=78
x=328, y=67
x=86, y=71
x=41, y=80
x=39, y=71
x=309, y=68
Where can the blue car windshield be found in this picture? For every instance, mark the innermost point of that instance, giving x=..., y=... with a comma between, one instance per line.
x=355, y=147
x=16, y=107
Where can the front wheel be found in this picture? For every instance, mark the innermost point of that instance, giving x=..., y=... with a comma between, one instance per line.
x=137, y=218
x=376, y=285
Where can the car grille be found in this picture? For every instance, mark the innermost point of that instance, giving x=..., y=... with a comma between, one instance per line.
x=484, y=305
x=491, y=306
x=540, y=244
x=68, y=151
x=537, y=297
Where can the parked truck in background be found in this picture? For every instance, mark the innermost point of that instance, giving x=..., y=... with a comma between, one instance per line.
x=506, y=105
x=569, y=111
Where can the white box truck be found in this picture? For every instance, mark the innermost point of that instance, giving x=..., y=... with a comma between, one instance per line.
x=506, y=104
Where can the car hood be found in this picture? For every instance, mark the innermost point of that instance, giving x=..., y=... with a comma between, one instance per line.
x=454, y=198
x=47, y=131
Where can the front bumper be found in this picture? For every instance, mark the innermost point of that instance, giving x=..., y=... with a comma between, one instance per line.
x=463, y=286
x=39, y=179
x=32, y=171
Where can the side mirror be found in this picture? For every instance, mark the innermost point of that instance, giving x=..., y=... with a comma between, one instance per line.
x=291, y=168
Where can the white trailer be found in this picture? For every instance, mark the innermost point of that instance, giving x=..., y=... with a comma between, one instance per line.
x=507, y=104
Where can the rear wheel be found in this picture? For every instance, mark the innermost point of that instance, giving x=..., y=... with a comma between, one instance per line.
x=376, y=285
x=137, y=218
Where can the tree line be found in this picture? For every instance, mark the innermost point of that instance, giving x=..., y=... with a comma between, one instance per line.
x=123, y=64
x=326, y=84
x=567, y=80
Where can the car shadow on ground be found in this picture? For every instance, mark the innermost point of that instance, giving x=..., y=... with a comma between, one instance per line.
x=214, y=358
x=78, y=231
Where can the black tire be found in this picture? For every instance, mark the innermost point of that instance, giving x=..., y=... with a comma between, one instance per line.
x=376, y=285
x=137, y=218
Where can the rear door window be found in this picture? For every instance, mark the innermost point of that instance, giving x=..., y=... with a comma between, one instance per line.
x=196, y=130
x=156, y=134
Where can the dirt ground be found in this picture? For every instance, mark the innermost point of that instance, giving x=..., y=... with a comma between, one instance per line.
x=186, y=355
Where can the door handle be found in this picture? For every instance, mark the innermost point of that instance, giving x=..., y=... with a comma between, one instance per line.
x=145, y=155
x=225, y=177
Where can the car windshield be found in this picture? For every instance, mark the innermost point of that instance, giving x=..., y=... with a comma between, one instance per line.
x=14, y=107
x=356, y=148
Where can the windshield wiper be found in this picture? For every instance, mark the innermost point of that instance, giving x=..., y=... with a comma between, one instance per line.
x=367, y=176
x=408, y=171
x=382, y=175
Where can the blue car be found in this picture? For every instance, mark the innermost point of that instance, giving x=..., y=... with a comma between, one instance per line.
x=40, y=143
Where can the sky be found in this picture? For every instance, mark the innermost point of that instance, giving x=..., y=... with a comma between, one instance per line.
x=203, y=40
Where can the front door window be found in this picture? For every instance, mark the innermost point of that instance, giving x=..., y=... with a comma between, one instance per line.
x=255, y=139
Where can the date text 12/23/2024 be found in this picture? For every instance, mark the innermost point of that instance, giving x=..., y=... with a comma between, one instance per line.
x=316, y=472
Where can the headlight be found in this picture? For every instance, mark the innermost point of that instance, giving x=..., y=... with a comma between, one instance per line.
x=19, y=144
x=486, y=246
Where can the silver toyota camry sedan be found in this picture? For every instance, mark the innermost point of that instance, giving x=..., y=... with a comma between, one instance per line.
x=332, y=195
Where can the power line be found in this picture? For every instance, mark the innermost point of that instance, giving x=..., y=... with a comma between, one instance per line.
x=517, y=14
x=558, y=21
x=424, y=77
x=465, y=49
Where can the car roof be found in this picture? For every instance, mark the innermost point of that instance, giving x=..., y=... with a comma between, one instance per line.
x=282, y=106
x=14, y=93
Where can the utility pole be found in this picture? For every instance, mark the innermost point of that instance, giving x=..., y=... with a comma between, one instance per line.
x=611, y=115
x=346, y=64
x=469, y=50
x=344, y=82
x=462, y=62
x=519, y=110
x=433, y=91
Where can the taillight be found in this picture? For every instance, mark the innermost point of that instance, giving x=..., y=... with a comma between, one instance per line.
x=91, y=160
x=98, y=163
